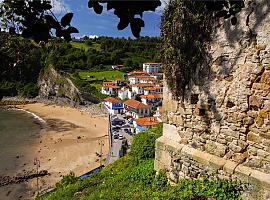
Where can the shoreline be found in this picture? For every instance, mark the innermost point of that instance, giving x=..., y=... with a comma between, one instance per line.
x=68, y=141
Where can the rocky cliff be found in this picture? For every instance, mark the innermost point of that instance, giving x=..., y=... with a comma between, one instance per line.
x=58, y=87
x=222, y=127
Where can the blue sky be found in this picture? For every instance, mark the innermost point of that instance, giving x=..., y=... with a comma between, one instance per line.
x=89, y=23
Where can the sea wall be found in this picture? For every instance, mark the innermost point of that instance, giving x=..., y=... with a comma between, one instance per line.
x=222, y=127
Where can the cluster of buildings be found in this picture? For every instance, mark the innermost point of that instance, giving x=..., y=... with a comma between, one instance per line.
x=138, y=97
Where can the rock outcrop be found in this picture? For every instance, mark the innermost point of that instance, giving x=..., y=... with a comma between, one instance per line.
x=58, y=87
x=222, y=128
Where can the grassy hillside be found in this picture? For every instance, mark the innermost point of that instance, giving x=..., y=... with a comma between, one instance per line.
x=133, y=177
x=86, y=47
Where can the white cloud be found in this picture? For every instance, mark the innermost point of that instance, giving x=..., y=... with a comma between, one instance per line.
x=59, y=7
x=89, y=36
x=164, y=3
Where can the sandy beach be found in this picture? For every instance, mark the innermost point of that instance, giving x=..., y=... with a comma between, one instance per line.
x=70, y=142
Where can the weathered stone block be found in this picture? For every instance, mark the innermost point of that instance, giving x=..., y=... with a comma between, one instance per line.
x=242, y=173
x=254, y=102
x=251, y=136
x=240, y=157
x=201, y=157
x=229, y=167
x=215, y=148
x=261, y=177
x=235, y=148
x=216, y=162
x=170, y=132
x=266, y=77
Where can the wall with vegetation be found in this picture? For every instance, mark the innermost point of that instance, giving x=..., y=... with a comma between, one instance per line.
x=220, y=124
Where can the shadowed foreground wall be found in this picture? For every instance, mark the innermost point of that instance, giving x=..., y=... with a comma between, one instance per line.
x=222, y=128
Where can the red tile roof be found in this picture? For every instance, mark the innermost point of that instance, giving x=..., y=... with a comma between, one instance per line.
x=152, y=96
x=112, y=100
x=109, y=83
x=143, y=85
x=136, y=104
x=111, y=86
x=150, y=88
x=147, y=121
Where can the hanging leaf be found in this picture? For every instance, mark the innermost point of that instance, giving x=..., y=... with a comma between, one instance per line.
x=72, y=29
x=66, y=19
x=139, y=21
x=51, y=21
x=124, y=22
x=97, y=8
x=90, y=4
x=136, y=29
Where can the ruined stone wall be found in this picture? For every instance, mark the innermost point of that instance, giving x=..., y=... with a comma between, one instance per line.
x=222, y=128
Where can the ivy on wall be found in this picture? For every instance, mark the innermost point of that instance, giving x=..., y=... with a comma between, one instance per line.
x=186, y=31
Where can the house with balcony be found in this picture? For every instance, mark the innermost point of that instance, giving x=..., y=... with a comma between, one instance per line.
x=139, y=88
x=152, y=67
x=146, y=123
x=153, y=90
x=147, y=80
x=113, y=105
x=110, y=89
x=136, y=109
x=152, y=99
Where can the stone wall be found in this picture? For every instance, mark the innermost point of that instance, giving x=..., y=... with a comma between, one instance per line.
x=222, y=128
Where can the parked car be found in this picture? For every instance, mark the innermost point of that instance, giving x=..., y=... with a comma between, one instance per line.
x=115, y=133
x=120, y=137
x=127, y=130
x=115, y=136
x=114, y=128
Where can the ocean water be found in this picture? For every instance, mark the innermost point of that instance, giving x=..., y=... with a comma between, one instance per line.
x=19, y=132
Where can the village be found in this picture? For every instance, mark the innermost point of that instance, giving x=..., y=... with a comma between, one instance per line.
x=136, y=99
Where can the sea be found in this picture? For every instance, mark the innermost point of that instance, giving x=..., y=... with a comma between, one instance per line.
x=19, y=132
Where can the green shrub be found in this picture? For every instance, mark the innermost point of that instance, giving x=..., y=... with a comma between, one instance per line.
x=67, y=180
x=143, y=144
x=29, y=90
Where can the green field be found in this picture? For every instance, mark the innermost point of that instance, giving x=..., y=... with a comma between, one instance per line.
x=96, y=78
x=100, y=76
x=82, y=45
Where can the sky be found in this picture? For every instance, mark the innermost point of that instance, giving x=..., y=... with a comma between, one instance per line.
x=91, y=24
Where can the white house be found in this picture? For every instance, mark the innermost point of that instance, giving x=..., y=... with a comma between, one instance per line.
x=153, y=90
x=139, y=88
x=152, y=99
x=158, y=76
x=143, y=124
x=114, y=106
x=152, y=67
x=131, y=95
x=110, y=89
x=123, y=93
x=159, y=113
x=133, y=80
x=136, y=109
x=149, y=90
x=115, y=67
x=147, y=80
